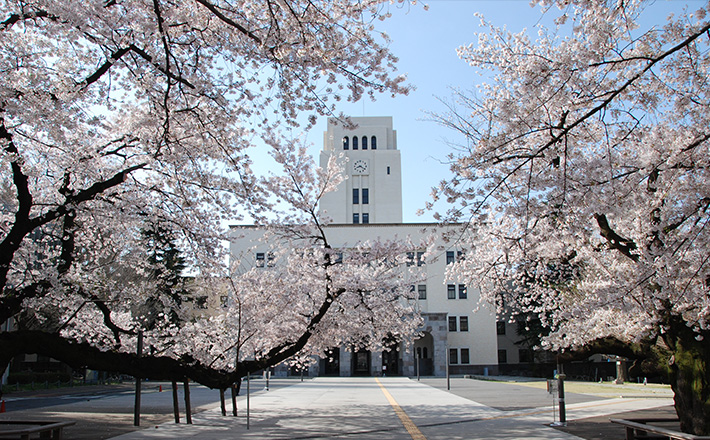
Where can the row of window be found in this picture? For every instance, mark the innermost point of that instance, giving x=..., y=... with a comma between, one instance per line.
x=450, y=291
x=419, y=258
x=356, y=143
x=453, y=256
x=462, y=324
x=264, y=259
x=365, y=218
x=365, y=196
x=454, y=357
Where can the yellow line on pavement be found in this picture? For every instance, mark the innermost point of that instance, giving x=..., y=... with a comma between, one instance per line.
x=403, y=417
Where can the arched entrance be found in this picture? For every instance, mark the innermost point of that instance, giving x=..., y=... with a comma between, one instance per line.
x=424, y=354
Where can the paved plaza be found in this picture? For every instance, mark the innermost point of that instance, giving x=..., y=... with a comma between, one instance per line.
x=402, y=408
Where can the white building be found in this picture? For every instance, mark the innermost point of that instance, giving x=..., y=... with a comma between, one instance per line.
x=368, y=205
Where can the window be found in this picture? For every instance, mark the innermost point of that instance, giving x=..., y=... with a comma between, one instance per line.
x=452, y=323
x=346, y=143
x=450, y=257
x=354, y=142
x=410, y=258
x=453, y=356
x=260, y=259
x=365, y=196
x=356, y=196
x=339, y=258
x=270, y=259
x=451, y=291
x=364, y=142
x=223, y=301
x=422, y=291
x=388, y=168
x=502, y=357
x=365, y=218
x=420, y=259
x=463, y=294
x=524, y=355
x=500, y=327
x=356, y=218
x=463, y=323
x=465, y=358
x=373, y=143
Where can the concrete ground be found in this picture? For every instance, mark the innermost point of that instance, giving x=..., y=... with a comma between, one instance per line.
x=367, y=408
x=401, y=409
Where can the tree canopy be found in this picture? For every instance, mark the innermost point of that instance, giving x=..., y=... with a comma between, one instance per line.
x=585, y=178
x=119, y=115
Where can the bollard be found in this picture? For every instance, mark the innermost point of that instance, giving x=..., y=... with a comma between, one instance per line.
x=2, y=406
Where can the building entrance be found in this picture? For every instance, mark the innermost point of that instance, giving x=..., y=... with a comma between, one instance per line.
x=423, y=355
x=390, y=363
x=361, y=363
x=330, y=366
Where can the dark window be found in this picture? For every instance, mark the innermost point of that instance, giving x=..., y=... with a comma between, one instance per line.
x=356, y=196
x=388, y=168
x=451, y=291
x=453, y=356
x=365, y=218
x=270, y=259
x=502, y=357
x=463, y=324
x=500, y=327
x=420, y=259
x=410, y=258
x=365, y=196
x=354, y=142
x=450, y=258
x=525, y=355
x=459, y=255
x=364, y=142
x=356, y=219
x=373, y=142
x=339, y=258
x=463, y=294
x=260, y=259
x=422, y=291
x=346, y=143
x=223, y=301
x=465, y=358
x=452, y=323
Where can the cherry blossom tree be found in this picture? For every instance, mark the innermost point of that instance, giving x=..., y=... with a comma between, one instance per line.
x=585, y=176
x=118, y=114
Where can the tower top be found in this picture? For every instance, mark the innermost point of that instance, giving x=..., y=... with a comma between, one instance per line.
x=372, y=192
x=377, y=127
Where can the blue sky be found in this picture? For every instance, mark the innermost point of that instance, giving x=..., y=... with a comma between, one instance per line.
x=426, y=42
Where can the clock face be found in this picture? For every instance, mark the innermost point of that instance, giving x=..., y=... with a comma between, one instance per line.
x=360, y=166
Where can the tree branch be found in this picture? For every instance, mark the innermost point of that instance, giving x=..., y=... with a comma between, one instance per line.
x=621, y=244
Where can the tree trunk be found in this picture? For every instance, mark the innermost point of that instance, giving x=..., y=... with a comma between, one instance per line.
x=690, y=376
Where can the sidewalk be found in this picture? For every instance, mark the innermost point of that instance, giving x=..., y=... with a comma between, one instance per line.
x=396, y=408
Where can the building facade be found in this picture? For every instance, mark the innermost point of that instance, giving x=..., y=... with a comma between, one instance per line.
x=366, y=206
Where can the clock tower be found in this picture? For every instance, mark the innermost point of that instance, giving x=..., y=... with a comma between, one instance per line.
x=372, y=192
